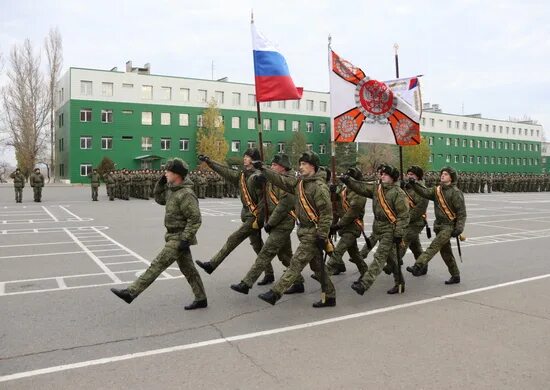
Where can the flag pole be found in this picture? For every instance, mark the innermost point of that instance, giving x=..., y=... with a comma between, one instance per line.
x=396, y=48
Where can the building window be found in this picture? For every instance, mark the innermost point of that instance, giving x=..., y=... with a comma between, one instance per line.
x=107, y=116
x=448, y=158
x=500, y=144
x=267, y=124
x=235, y=122
x=492, y=160
x=448, y=142
x=199, y=120
x=280, y=147
x=478, y=143
x=456, y=142
x=85, y=88
x=146, y=143
x=322, y=127
x=251, y=123
x=309, y=127
x=295, y=125
x=85, y=169
x=492, y=144
x=479, y=126
x=322, y=149
x=430, y=140
x=463, y=159
x=165, y=93
x=323, y=106
x=309, y=147
x=184, y=94
x=431, y=158
x=505, y=160
x=165, y=143
x=126, y=85
x=61, y=144
x=449, y=124
x=147, y=92
x=85, y=142
x=184, y=144
x=203, y=95
x=282, y=104
x=106, y=143
x=165, y=118
x=423, y=122
x=251, y=144
x=464, y=126
x=486, y=128
x=295, y=104
x=506, y=146
x=86, y=115
x=235, y=146
x=265, y=104
x=485, y=160
x=471, y=159
x=472, y=126
x=512, y=145
x=485, y=144
x=457, y=124
x=432, y=122
x=127, y=137
x=456, y=158
x=251, y=99
x=62, y=170
x=184, y=119
x=464, y=143
x=236, y=98
x=107, y=89
x=219, y=97
x=281, y=125
x=127, y=112
x=309, y=105
x=147, y=118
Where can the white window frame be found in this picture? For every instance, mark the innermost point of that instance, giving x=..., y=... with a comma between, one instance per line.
x=106, y=89
x=147, y=118
x=165, y=118
x=309, y=127
x=236, y=98
x=219, y=97
x=322, y=128
x=166, y=93
x=251, y=123
x=86, y=88
x=280, y=147
x=322, y=149
x=87, y=114
x=251, y=99
x=309, y=105
x=281, y=125
x=146, y=143
x=106, y=116
x=236, y=146
x=106, y=143
x=266, y=124
x=184, y=119
x=147, y=92
x=87, y=169
x=203, y=95
x=165, y=143
x=184, y=144
x=185, y=94
x=236, y=122
x=295, y=125
x=322, y=106
x=87, y=142
x=200, y=120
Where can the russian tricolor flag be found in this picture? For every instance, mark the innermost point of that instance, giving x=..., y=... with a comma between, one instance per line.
x=273, y=81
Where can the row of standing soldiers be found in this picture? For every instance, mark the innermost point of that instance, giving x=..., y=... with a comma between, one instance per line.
x=499, y=182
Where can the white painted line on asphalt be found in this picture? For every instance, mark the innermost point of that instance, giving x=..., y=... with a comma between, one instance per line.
x=40, y=255
x=122, y=255
x=93, y=257
x=2, y=288
x=73, y=214
x=38, y=244
x=501, y=227
x=92, y=246
x=61, y=283
x=248, y=336
x=50, y=214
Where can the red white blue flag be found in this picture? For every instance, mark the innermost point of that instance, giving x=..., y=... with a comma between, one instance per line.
x=273, y=81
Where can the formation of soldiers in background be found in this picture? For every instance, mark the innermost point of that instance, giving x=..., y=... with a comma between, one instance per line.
x=498, y=182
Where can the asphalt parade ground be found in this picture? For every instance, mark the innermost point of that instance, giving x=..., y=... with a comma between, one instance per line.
x=61, y=327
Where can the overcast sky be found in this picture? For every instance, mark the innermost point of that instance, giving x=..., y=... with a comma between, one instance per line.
x=488, y=57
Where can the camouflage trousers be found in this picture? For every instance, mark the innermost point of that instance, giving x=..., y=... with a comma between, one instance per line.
x=346, y=243
x=411, y=241
x=111, y=191
x=94, y=192
x=19, y=194
x=307, y=252
x=442, y=244
x=278, y=244
x=385, y=253
x=37, y=193
x=164, y=259
x=373, y=240
x=234, y=240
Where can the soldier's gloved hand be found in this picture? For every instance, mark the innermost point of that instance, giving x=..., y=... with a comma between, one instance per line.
x=345, y=179
x=333, y=188
x=163, y=180
x=456, y=232
x=320, y=243
x=183, y=246
x=258, y=164
x=397, y=240
x=260, y=179
x=203, y=158
x=268, y=228
x=411, y=180
x=334, y=228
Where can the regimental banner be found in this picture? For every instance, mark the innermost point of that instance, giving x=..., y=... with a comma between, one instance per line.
x=367, y=110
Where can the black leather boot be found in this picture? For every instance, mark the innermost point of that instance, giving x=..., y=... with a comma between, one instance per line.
x=296, y=288
x=269, y=296
x=197, y=305
x=268, y=279
x=329, y=302
x=453, y=280
x=205, y=265
x=397, y=289
x=416, y=270
x=123, y=294
x=241, y=287
x=336, y=269
x=358, y=287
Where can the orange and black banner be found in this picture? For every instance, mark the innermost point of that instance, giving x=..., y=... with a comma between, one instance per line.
x=385, y=206
x=443, y=205
x=247, y=198
x=306, y=205
x=275, y=201
x=346, y=206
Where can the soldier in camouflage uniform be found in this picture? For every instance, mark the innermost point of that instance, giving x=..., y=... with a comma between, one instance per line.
x=279, y=225
x=95, y=182
x=182, y=221
x=252, y=213
x=37, y=182
x=350, y=211
x=391, y=217
x=450, y=218
x=109, y=180
x=18, y=184
x=311, y=192
x=125, y=184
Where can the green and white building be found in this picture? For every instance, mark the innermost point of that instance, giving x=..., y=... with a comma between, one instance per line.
x=139, y=120
x=471, y=143
x=545, y=157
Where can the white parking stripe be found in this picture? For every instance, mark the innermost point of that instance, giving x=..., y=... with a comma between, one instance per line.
x=67, y=211
x=50, y=214
x=247, y=336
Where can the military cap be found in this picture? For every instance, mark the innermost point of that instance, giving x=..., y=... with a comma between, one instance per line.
x=282, y=160
x=253, y=153
x=311, y=158
x=451, y=171
x=417, y=171
x=177, y=165
x=390, y=170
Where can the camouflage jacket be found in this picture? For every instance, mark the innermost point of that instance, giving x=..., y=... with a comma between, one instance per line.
x=455, y=200
x=279, y=215
x=317, y=193
x=37, y=180
x=183, y=217
x=396, y=199
x=95, y=179
x=18, y=180
x=418, y=212
x=355, y=211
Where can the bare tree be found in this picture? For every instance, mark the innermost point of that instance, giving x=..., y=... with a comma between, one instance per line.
x=54, y=53
x=371, y=155
x=25, y=106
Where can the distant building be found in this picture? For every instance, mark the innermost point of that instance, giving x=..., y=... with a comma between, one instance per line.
x=545, y=156
x=139, y=120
